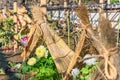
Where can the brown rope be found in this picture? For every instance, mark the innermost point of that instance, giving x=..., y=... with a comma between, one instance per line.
x=106, y=55
x=101, y=72
x=109, y=66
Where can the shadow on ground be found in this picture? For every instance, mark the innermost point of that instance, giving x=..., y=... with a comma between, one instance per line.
x=4, y=59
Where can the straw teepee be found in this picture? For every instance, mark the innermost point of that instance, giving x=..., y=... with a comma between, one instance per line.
x=64, y=58
x=59, y=50
x=105, y=45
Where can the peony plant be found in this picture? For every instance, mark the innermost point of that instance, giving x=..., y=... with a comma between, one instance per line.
x=31, y=61
x=41, y=51
x=42, y=64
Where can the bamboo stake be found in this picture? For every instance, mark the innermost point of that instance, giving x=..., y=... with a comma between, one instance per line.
x=68, y=26
x=67, y=18
x=5, y=8
x=16, y=28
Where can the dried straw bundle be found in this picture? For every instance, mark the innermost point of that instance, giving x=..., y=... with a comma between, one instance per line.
x=37, y=14
x=107, y=39
x=27, y=18
x=34, y=36
x=35, y=31
x=1, y=17
x=82, y=13
x=60, y=52
x=21, y=18
x=105, y=33
x=103, y=49
x=21, y=10
x=61, y=44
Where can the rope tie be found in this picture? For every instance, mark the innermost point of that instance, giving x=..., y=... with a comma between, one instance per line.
x=109, y=66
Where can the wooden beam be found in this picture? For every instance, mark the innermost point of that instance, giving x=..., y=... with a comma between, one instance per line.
x=61, y=7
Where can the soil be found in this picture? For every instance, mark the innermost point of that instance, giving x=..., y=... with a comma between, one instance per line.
x=4, y=59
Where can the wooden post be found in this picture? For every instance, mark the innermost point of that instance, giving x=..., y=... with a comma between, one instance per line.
x=79, y=2
x=43, y=6
x=5, y=8
x=101, y=2
x=51, y=12
x=15, y=26
x=65, y=5
x=101, y=9
x=15, y=6
x=108, y=1
x=59, y=14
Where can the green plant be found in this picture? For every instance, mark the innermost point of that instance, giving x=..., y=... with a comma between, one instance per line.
x=6, y=30
x=45, y=68
x=8, y=24
x=86, y=72
x=114, y=1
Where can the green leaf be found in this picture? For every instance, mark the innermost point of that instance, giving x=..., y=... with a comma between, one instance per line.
x=11, y=64
x=46, y=69
x=42, y=70
x=84, y=70
x=35, y=69
x=87, y=77
x=26, y=69
x=82, y=78
x=18, y=75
